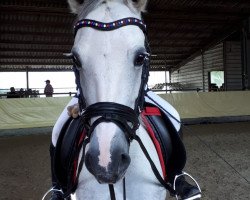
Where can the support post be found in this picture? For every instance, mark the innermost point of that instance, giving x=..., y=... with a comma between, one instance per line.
x=27, y=78
x=203, y=71
x=166, y=80
x=245, y=56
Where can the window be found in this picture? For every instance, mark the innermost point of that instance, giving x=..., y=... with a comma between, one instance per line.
x=216, y=81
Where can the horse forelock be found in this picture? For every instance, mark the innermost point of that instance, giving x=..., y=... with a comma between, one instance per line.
x=90, y=5
x=87, y=7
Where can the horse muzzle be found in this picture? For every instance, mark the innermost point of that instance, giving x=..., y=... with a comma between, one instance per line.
x=110, y=135
x=116, y=160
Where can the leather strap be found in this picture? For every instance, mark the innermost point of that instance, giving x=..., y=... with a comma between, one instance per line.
x=112, y=191
x=156, y=172
x=111, y=25
x=119, y=114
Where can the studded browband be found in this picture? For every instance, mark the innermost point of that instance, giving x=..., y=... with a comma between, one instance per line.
x=111, y=25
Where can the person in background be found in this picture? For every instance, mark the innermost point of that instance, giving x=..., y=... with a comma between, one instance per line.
x=21, y=93
x=48, y=90
x=12, y=93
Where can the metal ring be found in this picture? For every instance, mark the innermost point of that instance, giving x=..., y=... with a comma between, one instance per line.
x=185, y=174
x=51, y=190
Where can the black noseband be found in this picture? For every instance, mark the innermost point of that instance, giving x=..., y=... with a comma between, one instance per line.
x=123, y=116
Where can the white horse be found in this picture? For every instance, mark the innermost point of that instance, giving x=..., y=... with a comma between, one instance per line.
x=110, y=65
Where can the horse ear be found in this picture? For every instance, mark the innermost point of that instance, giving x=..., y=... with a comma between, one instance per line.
x=137, y=5
x=75, y=5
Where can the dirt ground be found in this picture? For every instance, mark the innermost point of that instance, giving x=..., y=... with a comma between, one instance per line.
x=218, y=157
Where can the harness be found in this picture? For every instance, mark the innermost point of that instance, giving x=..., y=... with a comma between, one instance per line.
x=167, y=141
x=76, y=133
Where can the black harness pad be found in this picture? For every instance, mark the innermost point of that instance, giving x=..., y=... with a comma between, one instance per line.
x=73, y=134
x=172, y=147
x=67, y=151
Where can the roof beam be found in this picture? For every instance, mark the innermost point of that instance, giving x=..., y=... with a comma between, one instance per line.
x=25, y=43
x=36, y=33
x=35, y=9
x=234, y=9
x=36, y=49
x=38, y=25
x=192, y=20
x=174, y=45
x=163, y=62
x=169, y=56
x=179, y=36
x=30, y=54
x=33, y=63
x=23, y=68
x=160, y=67
x=40, y=57
x=172, y=49
x=24, y=40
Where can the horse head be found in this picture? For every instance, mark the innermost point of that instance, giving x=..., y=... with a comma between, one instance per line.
x=110, y=67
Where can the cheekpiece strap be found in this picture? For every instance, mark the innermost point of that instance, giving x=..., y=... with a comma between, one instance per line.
x=111, y=25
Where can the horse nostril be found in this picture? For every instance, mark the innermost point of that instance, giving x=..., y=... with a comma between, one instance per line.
x=90, y=162
x=125, y=156
x=125, y=159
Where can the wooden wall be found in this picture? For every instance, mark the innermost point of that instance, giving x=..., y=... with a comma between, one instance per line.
x=195, y=73
x=233, y=66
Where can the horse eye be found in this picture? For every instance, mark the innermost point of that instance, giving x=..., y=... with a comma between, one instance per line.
x=140, y=59
x=76, y=62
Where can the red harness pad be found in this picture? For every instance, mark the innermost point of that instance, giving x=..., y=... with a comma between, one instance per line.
x=154, y=111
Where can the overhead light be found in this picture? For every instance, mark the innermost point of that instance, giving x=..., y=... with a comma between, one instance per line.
x=68, y=55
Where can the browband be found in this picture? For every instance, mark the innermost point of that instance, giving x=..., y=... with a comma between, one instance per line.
x=111, y=25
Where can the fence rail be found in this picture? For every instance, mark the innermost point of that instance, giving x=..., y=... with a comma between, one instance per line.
x=177, y=90
x=34, y=95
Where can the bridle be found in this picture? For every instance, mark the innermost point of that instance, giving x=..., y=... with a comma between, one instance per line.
x=123, y=116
